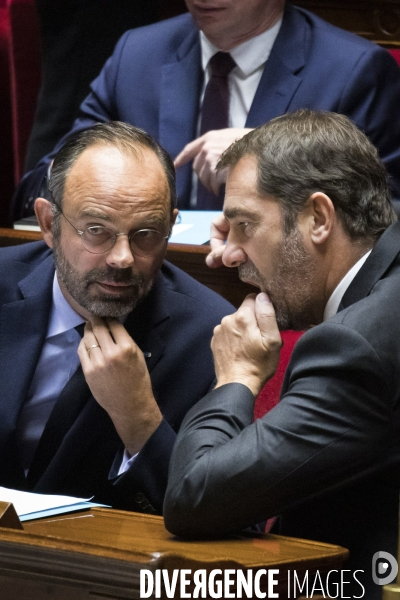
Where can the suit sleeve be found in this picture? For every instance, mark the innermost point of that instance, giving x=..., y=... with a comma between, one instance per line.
x=142, y=487
x=371, y=99
x=227, y=473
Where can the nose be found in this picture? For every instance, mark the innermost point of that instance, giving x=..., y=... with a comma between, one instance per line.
x=233, y=254
x=120, y=255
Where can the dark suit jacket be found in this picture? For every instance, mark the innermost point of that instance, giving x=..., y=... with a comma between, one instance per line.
x=174, y=323
x=77, y=37
x=328, y=456
x=153, y=81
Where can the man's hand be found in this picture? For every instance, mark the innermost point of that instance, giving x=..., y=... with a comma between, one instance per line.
x=205, y=152
x=218, y=236
x=116, y=372
x=247, y=344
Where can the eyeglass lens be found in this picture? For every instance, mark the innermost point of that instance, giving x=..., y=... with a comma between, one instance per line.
x=144, y=242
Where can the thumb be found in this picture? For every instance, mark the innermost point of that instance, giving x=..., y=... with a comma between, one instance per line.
x=266, y=320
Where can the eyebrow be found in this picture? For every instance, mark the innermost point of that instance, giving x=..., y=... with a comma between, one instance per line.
x=94, y=214
x=232, y=213
x=152, y=220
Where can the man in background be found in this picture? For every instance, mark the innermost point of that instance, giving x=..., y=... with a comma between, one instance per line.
x=77, y=37
x=201, y=80
x=98, y=417
x=309, y=220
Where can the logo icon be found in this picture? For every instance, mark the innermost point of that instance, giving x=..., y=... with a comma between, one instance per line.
x=384, y=568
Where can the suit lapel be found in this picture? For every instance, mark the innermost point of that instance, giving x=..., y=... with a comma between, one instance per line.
x=23, y=326
x=381, y=258
x=93, y=433
x=144, y=323
x=179, y=105
x=282, y=73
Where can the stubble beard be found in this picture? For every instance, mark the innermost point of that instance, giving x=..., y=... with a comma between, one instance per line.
x=98, y=303
x=291, y=286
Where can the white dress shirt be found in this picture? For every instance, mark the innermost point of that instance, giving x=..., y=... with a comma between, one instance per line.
x=250, y=58
x=336, y=297
x=57, y=363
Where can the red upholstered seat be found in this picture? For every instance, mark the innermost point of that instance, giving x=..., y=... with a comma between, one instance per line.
x=19, y=84
x=6, y=147
x=25, y=74
x=395, y=52
x=269, y=395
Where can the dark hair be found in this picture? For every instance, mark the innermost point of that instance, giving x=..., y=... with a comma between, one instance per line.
x=115, y=133
x=309, y=151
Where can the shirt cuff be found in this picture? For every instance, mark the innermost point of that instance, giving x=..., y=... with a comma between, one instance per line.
x=127, y=462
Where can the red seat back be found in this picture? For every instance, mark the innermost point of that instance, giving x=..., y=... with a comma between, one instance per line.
x=6, y=144
x=395, y=52
x=270, y=394
x=25, y=75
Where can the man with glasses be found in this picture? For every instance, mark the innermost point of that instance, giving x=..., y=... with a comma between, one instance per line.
x=98, y=416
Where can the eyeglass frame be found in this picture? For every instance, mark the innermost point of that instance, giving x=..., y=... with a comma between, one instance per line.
x=81, y=233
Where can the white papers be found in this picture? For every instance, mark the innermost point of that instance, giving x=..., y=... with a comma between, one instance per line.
x=193, y=226
x=35, y=506
x=180, y=228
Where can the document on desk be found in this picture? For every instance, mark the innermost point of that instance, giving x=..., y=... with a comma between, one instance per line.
x=30, y=506
x=193, y=226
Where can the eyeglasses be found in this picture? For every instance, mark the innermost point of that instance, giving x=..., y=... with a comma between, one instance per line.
x=97, y=239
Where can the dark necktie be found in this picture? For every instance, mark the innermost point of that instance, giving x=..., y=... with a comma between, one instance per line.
x=69, y=403
x=215, y=115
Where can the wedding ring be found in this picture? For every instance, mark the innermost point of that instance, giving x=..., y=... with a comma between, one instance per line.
x=91, y=348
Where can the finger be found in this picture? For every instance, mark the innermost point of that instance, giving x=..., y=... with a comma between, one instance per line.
x=247, y=308
x=87, y=346
x=214, y=259
x=243, y=318
x=266, y=320
x=102, y=332
x=189, y=152
x=204, y=166
x=214, y=182
x=249, y=301
x=199, y=162
x=117, y=331
x=89, y=342
x=215, y=178
x=89, y=337
x=205, y=176
x=219, y=231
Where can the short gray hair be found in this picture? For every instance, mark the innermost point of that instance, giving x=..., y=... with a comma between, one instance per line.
x=311, y=151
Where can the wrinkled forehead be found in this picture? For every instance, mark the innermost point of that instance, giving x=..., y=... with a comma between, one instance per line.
x=118, y=182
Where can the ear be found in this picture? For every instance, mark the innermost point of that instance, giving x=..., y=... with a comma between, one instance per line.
x=323, y=216
x=44, y=216
x=174, y=215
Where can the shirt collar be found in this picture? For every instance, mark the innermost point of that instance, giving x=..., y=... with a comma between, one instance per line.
x=62, y=317
x=248, y=56
x=336, y=297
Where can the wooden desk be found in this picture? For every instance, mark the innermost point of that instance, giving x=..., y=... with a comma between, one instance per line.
x=190, y=259
x=99, y=554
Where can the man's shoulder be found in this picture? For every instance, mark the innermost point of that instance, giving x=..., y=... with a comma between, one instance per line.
x=180, y=285
x=360, y=338
x=331, y=35
x=32, y=253
x=19, y=262
x=378, y=313
x=167, y=35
